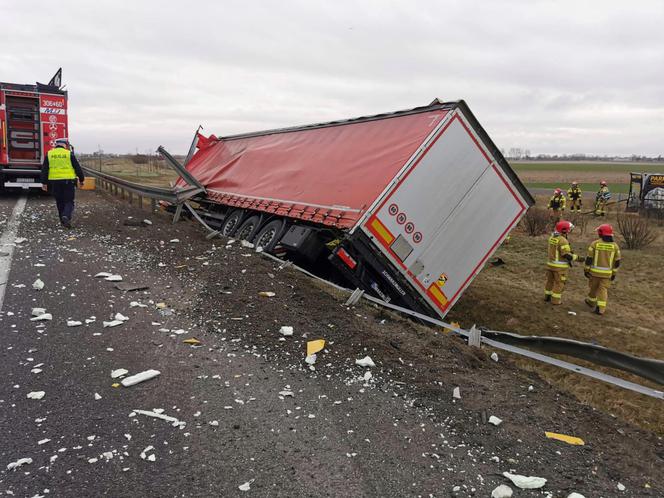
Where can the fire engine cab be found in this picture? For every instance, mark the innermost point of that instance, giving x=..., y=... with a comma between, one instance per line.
x=32, y=117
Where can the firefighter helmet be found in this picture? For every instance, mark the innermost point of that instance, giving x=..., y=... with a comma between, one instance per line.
x=574, y=184
x=557, y=191
x=603, y=183
x=564, y=226
x=604, y=230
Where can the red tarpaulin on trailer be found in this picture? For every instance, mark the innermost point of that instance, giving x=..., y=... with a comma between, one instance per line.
x=329, y=175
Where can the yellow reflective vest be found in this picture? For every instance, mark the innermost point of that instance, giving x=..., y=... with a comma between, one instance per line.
x=59, y=165
x=602, y=258
x=558, y=248
x=557, y=202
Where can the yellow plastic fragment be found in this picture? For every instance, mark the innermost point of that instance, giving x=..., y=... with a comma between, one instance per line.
x=193, y=341
x=160, y=306
x=565, y=438
x=314, y=347
x=266, y=294
x=115, y=385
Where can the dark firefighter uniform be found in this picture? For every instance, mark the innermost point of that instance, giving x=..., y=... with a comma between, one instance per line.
x=559, y=260
x=557, y=205
x=601, y=198
x=601, y=266
x=574, y=195
x=60, y=171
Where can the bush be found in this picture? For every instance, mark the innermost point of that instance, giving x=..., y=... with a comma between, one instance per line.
x=636, y=231
x=579, y=221
x=536, y=222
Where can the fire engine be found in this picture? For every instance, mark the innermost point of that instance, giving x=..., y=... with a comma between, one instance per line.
x=32, y=117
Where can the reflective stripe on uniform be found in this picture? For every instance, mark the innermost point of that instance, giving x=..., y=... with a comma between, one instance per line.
x=547, y=293
x=601, y=304
x=557, y=296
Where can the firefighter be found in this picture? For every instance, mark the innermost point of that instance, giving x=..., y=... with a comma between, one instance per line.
x=601, y=198
x=559, y=260
x=600, y=267
x=574, y=195
x=59, y=173
x=557, y=204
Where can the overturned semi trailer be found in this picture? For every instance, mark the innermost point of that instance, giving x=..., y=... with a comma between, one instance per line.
x=407, y=205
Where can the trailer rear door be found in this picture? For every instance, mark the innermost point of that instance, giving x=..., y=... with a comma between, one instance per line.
x=448, y=211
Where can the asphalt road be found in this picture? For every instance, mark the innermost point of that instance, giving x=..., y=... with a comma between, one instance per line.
x=252, y=417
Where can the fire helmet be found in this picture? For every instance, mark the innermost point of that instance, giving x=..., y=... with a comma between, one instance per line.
x=603, y=183
x=574, y=184
x=564, y=226
x=557, y=191
x=604, y=230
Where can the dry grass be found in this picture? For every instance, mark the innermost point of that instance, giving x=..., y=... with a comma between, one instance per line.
x=154, y=173
x=511, y=298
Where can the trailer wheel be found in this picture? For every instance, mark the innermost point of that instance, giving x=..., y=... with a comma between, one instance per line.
x=231, y=223
x=248, y=229
x=270, y=234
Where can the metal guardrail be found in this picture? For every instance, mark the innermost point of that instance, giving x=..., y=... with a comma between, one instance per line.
x=120, y=186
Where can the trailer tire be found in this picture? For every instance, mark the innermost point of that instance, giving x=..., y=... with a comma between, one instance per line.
x=248, y=228
x=270, y=234
x=231, y=223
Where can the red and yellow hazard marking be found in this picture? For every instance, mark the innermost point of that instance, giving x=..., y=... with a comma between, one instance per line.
x=436, y=293
x=379, y=230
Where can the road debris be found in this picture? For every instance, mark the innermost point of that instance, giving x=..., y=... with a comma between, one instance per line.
x=267, y=294
x=18, y=463
x=525, y=482
x=119, y=373
x=495, y=420
x=315, y=346
x=140, y=377
x=121, y=317
x=577, y=441
x=192, y=341
x=456, y=393
x=157, y=414
x=246, y=486
x=136, y=304
x=103, y=274
x=502, y=491
x=494, y=357
x=19, y=240
x=38, y=284
x=38, y=311
x=286, y=331
x=572, y=313
x=40, y=318
x=127, y=287
x=621, y=487
x=36, y=395
x=73, y=323
x=575, y=495
x=365, y=362
x=144, y=454
x=113, y=323
x=310, y=359
x=114, y=278
x=97, y=396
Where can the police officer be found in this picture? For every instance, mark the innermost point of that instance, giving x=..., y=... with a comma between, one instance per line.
x=600, y=267
x=559, y=260
x=574, y=195
x=59, y=173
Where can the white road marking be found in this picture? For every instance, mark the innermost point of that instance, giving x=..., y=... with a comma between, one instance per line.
x=7, y=245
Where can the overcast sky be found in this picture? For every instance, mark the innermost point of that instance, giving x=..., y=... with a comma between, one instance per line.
x=549, y=76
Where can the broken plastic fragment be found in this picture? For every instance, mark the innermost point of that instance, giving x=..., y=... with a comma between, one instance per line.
x=140, y=377
x=114, y=278
x=113, y=323
x=156, y=414
x=502, y=491
x=246, y=486
x=286, y=330
x=621, y=487
x=367, y=376
x=575, y=495
x=314, y=347
x=38, y=311
x=456, y=393
x=73, y=323
x=494, y=357
x=311, y=359
x=286, y=393
x=97, y=396
x=365, y=362
x=193, y=341
x=19, y=240
x=45, y=316
x=18, y=463
x=103, y=274
x=36, y=395
x=121, y=317
x=525, y=482
x=577, y=441
x=119, y=373
x=495, y=420
x=136, y=304
x=38, y=284
x=266, y=294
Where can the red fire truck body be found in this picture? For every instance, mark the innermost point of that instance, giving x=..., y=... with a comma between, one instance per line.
x=32, y=117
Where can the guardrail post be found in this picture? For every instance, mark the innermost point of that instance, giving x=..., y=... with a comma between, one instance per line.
x=153, y=205
x=140, y=201
x=131, y=198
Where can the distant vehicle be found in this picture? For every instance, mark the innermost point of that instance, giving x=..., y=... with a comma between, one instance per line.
x=407, y=206
x=646, y=192
x=32, y=117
